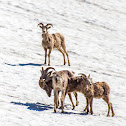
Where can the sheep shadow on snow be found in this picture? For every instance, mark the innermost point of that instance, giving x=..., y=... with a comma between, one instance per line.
x=34, y=106
x=74, y=113
x=25, y=64
x=42, y=107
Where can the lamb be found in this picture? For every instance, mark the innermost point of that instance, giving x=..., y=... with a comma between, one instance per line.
x=90, y=90
x=101, y=90
x=45, y=83
x=51, y=41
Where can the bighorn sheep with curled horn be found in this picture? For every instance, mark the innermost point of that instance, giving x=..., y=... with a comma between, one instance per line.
x=90, y=90
x=51, y=41
x=45, y=83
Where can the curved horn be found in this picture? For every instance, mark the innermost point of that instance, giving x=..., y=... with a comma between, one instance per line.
x=49, y=24
x=82, y=74
x=49, y=68
x=40, y=24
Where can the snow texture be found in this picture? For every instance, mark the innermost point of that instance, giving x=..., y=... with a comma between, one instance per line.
x=95, y=33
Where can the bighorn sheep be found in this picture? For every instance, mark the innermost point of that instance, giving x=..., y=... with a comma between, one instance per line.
x=59, y=83
x=91, y=90
x=101, y=90
x=45, y=83
x=51, y=41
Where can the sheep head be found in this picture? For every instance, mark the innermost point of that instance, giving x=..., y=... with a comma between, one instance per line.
x=87, y=78
x=44, y=27
x=44, y=86
x=45, y=74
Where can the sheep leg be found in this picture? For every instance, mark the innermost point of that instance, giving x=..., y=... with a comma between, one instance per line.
x=112, y=110
x=69, y=94
x=87, y=103
x=45, y=55
x=106, y=99
x=77, y=102
x=64, y=48
x=85, y=108
x=91, y=102
x=49, y=57
x=62, y=100
x=58, y=98
x=63, y=55
x=67, y=58
x=55, y=100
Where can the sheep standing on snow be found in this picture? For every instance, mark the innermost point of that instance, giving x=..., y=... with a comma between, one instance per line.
x=51, y=41
x=59, y=83
x=101, y=90
x=90, y=90
x=45, y=83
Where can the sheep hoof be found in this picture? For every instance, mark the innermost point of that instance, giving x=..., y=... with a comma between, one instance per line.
x=64, y=63
x=73, y=108
x=87, y=112
x=91, y=113
x=62, y=111
x=84, y=110
x=77, y=103
x=113, y=115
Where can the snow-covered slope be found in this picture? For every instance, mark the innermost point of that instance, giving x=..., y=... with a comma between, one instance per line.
x=95, y=33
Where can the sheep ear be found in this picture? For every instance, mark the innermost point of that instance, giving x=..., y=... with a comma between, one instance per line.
x=89, y=76
x=40, y=26
x=49, y=27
